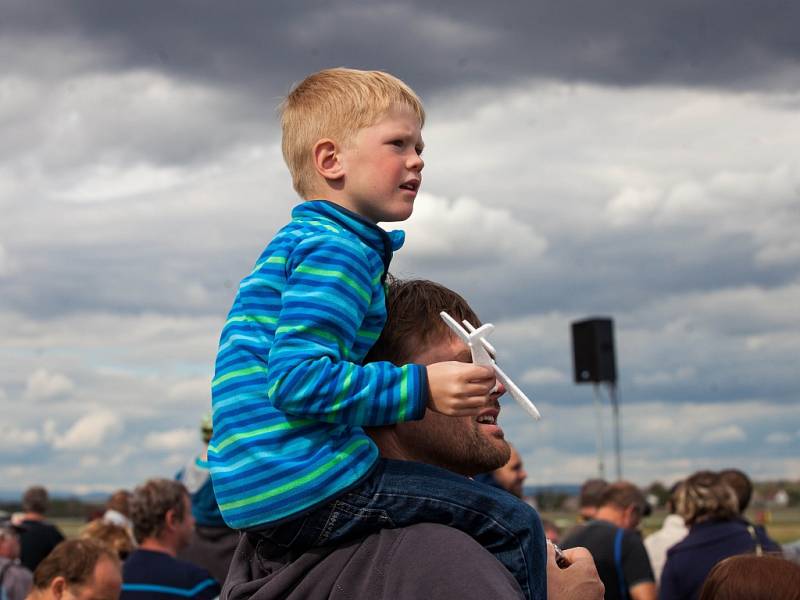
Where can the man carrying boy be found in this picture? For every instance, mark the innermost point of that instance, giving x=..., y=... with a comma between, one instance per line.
x=289, y=458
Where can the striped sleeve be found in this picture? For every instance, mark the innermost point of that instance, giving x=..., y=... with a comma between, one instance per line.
x=311, y=372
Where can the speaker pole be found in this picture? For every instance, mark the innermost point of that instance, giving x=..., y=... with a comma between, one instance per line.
x=598, y=409
x=612, y=392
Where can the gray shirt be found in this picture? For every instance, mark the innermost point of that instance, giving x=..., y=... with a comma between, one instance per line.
x=15, y=579
x=421, y=561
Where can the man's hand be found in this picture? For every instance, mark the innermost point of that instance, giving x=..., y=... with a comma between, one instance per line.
x=459, y=389
x=578, y=581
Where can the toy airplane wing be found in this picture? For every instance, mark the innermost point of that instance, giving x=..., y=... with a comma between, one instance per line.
x=481, y=349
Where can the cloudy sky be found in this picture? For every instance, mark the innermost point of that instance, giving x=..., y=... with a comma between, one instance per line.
x=624, y=158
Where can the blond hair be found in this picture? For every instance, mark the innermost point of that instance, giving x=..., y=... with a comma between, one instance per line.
x=114, y=536
x=336, y=103
x=705, y=496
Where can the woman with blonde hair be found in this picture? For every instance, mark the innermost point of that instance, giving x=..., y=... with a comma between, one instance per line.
x=710, y=509
x=114, y=536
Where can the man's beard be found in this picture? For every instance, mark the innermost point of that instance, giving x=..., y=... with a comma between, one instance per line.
x=447, y=443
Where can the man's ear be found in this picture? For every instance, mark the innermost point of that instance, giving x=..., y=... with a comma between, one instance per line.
x=327, y=161
x=630, y=516
x=58, y=586
x=171, y=518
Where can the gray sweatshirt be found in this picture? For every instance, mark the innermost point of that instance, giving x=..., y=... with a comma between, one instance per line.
x=422, y=561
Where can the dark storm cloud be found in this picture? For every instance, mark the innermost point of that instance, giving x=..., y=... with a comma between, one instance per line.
x=437, y=45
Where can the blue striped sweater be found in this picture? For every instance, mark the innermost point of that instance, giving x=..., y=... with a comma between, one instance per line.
x=290, y=395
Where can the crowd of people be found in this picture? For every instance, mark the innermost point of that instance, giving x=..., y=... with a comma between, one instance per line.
x=704, y=526
x=149, y=544
x=350, y=425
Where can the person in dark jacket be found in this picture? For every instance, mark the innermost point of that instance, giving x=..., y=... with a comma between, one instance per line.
x=710, y=509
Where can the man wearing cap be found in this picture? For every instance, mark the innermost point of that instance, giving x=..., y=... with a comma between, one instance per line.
x=616, y=546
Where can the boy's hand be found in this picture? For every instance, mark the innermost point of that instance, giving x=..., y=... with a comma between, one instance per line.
x=459, y=389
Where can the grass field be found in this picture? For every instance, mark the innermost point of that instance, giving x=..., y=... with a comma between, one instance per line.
x=783, y=527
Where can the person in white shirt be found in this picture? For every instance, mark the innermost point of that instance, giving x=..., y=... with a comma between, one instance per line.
x=672, y=531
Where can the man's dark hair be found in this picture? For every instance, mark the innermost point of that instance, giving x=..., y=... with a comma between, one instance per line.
x=74, y=560
x=591, y=492
x=120, y=501
x=35, y=500
x=413, y=320
x=741, y=485
x=623, y=494
x=150, y=503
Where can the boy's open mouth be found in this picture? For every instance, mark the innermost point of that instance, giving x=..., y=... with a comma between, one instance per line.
x=412, y=185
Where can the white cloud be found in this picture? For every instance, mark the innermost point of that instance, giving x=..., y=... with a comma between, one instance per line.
x=44, y=385
x=5, y=261
x=90, y=431
x=724, y=435
x=680, y=374
x=13, y=438
x=633, y=205
x=779, y=438
x=467, y=230
x=543, y=376
x=174, y=439
x=197, y=390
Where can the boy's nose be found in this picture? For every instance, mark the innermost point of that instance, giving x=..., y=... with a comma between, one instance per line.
x=416, y=163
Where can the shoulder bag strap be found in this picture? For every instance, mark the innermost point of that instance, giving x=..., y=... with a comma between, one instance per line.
x=758, y=549
x=623, y=587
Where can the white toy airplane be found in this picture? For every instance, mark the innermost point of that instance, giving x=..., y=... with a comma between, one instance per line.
x=480, y=348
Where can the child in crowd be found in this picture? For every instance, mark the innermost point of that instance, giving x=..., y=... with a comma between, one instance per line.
x=290, y=392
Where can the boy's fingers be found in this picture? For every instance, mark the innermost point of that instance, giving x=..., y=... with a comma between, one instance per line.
x=473, y=390
x=474, y=372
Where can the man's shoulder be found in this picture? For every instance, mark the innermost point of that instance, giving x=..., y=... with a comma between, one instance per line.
x=591, y=532
x=40, y=529
x=420, y=561
x=435, y=561
x=158, y=575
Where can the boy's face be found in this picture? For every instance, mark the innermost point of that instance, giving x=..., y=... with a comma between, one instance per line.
x=383, y=168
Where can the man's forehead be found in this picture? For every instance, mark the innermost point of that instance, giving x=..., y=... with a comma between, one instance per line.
x=442, y=348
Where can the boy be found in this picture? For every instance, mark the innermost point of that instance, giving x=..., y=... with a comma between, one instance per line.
x=290, y=395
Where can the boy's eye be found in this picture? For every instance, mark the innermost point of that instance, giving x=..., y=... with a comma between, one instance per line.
x=398, y=143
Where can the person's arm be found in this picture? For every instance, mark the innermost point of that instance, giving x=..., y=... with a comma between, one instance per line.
x=311, y=372
x=310, y=368
x=578, y=581
x=637, y=569
x=643, y=591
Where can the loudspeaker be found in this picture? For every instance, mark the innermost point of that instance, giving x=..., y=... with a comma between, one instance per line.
x=593, y=351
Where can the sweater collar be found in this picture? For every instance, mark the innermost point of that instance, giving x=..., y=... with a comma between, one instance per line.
x=368, y=231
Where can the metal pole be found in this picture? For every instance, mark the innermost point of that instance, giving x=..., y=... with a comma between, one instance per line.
x=612, y=392
x=598, y=409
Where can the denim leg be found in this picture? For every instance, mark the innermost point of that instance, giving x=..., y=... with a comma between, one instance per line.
x=402, y=493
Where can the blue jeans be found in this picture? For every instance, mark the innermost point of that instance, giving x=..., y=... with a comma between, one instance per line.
x=401, y=493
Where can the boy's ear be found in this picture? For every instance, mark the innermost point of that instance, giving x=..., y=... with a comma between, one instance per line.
x=327, y=161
